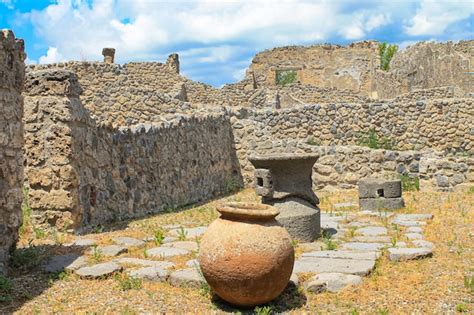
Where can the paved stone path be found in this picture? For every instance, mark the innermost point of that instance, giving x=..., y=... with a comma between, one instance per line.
x=348, y=252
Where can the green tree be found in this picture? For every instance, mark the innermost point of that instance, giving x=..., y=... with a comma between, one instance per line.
x=386, y=52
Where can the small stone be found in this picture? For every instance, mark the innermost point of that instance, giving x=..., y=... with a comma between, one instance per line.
x=111, y=250
x=332, y=282
x=414, y=236
x=402, y=254
x=187, y=277
x=188, y=245
x=414, y=229
x=85, y=242
x=165, y=252
x=128, y=241
x=150, y=273
x=372, y=231
x=99, y=270
x=423, y=243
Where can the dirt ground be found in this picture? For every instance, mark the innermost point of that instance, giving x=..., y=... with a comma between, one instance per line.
x=434, y=285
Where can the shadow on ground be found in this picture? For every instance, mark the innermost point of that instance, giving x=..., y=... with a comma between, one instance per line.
x=25, y=279
x=290, y=299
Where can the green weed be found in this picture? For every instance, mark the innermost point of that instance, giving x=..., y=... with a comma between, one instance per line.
x=263, y=310
x=127, y=283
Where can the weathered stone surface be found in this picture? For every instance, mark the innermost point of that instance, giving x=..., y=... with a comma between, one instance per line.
x=187, y=245
x=187, y=277
x=320, y=265
x=128, y=241
x=376, y=188
x=372, y=231
x=414, y=229
x=381, y=204
x=64, y=262
x=193, y=263
x=408, y=223
x=189, y=232
x=111, y=250
x=344, y=254
x=363, y=246
x=414, y=217
x=144, y=262
x=294, y=280
x=423, y=243
x=153, y=273
x=332, y=282
x=401, y=254
x=371, y=239
x=165, y=252
x=414, y=236
x=85, y=242
x=99, y=270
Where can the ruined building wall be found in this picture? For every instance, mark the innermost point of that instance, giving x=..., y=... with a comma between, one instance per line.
x=12, y=66
x=349, y=67
x=428, y=65
x=84, y=174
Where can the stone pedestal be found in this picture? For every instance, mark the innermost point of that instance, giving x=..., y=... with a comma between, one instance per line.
x=284, y=181
x=380, y=194
x=109, y=55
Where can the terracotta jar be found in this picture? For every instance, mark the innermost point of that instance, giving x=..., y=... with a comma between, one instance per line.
x=245, y=255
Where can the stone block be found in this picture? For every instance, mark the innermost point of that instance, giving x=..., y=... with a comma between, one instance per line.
x=376, y=188
x=381, y=204
x=263, y=182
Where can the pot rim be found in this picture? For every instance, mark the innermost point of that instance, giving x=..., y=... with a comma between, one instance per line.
x=248, y=210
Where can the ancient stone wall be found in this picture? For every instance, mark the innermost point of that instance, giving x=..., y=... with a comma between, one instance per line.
x=81, y=173
x=349, y=67
x=428, y=65
x=12, y=68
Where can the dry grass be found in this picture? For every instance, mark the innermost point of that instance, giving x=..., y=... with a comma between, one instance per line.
x=434, y=285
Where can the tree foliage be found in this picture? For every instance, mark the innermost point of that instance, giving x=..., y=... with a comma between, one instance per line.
x=285, y=77
x=386, y=52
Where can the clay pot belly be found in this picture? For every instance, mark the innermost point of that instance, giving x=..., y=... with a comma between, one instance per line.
x=247, y=260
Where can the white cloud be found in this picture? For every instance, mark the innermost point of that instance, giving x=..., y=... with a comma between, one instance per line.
x=29, y=61
x=51, y=56
x=376, y=21
x=434, y=16
x=7, y=3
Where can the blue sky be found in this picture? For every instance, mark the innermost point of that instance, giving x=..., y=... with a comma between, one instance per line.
x=216, y=40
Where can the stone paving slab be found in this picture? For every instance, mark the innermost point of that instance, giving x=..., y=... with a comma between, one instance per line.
x=423, y=243
x=372, y=231
x=363, y=246
x=409, y=223
x=190, y=232
x=85, y=242
x=372, y=239
x=414, y=229
x=64, y=262
x=99, y=270
x=167, y=239
x=382, y=214
x=128, y=241
x=344, y=254
x=144, y=262
x=189, y=277
x=414, y=217
x=402, y=254
x=332, y=282
x=414, y=236
x=188, y=245
x=110, y=250
x=165, y=252
x=321, y=265
x=150, y=273
x=193, y=263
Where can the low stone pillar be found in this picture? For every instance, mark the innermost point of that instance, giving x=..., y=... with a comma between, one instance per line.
x=380, y=194
x=173, y=62
x=109, y=55
x=284, y=181
x=12, y=70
